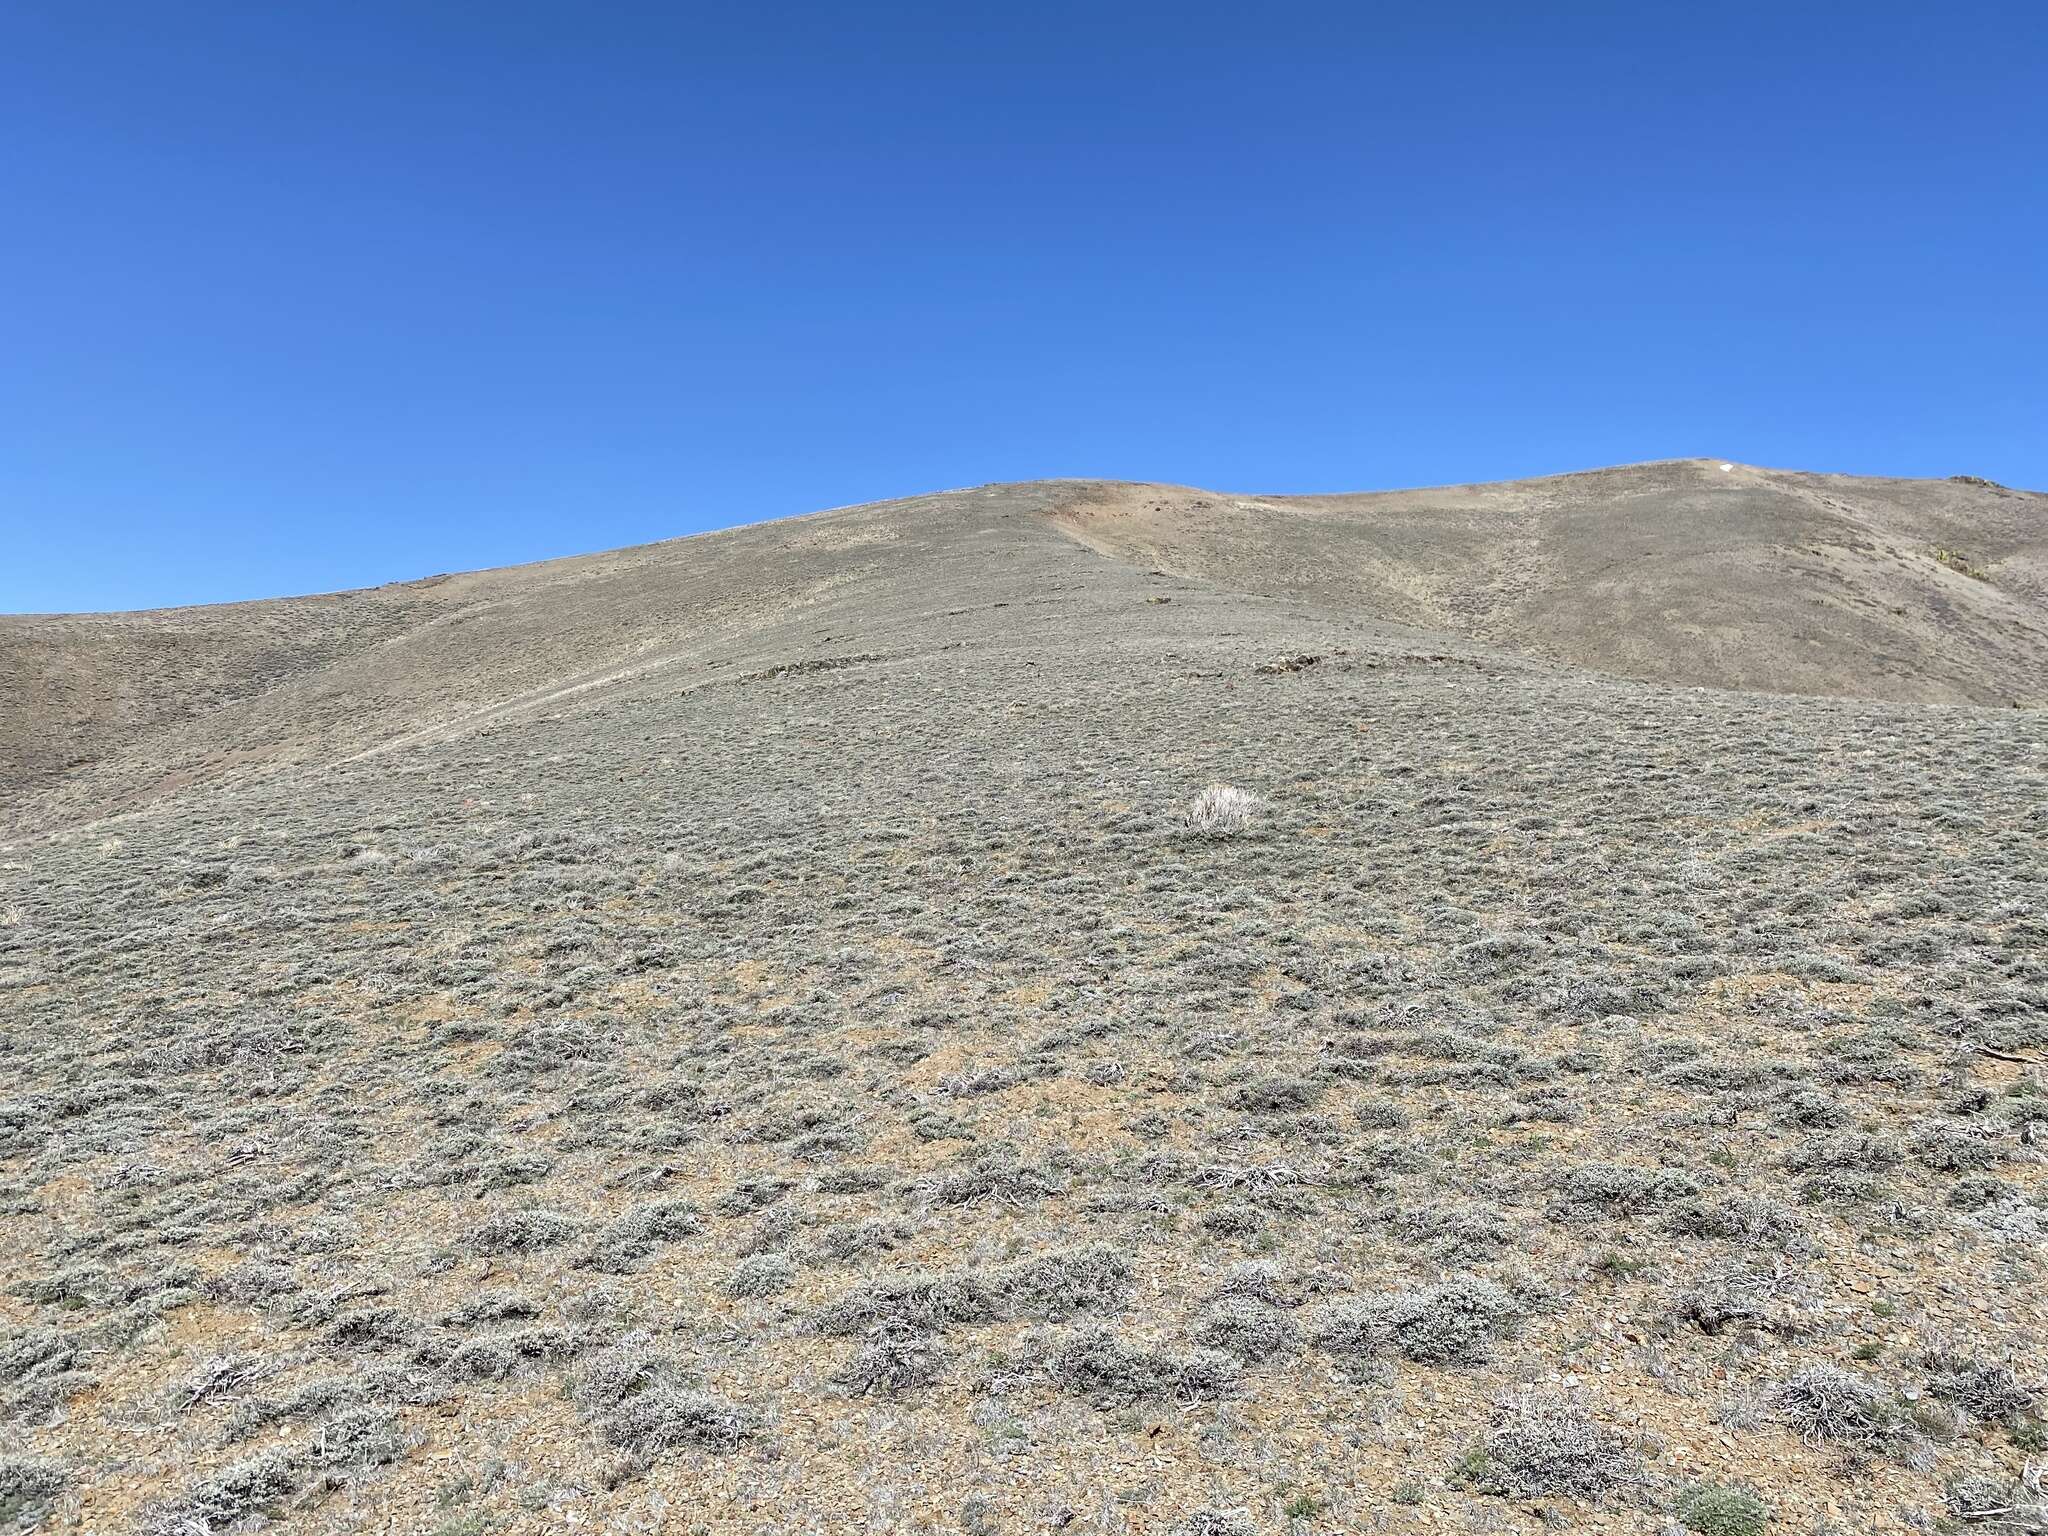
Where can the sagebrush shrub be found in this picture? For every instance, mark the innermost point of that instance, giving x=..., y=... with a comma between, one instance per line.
x=761, y=1274
x=240, y=1488
x=666, y=1414
x=1455, y=1323
x=1217, y=1522
x=1247, y=1329
x=894, y=1357
x=522, y=1232
x=1093, y=1362
x=363, y=1435
x=1548, y=1443
x=1987, y=1391
x=1712, y=1510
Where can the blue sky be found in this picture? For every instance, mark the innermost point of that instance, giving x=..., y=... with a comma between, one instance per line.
x=307, y=296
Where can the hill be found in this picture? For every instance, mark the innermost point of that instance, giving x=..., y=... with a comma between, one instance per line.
x=1682, y=572
x=779, y=1031
x=1699, y=572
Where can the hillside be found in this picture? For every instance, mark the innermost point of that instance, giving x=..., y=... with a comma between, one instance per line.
x=761, y=1032
x=1695, y=572
x=1679, y=572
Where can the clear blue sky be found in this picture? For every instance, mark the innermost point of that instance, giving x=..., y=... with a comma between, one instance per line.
x=298, y=296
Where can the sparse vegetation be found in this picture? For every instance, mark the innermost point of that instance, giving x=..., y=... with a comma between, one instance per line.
x=1715, y=1510
x=27, y=1488
x=762, y=1274
x=1548, y=1443
x=1218, y=1522
x=687, y=1088
x=1955, y=560
x=1988, y=1391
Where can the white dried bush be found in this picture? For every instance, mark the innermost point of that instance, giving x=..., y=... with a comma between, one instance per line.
x=1222, y=810
x=1827, y=1403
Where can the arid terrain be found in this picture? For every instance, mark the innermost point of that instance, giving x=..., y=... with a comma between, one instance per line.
x=776, y=1032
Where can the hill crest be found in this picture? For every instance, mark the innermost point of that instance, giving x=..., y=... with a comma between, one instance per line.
x=1679, y=572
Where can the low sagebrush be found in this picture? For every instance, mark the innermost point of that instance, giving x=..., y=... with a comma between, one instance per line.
x=668, y=1414
x=1986, y=1390
x=1455, y=1323
x=1247, y=1329
x=1217, y=1522
x=761, y=1274
x=1095, y=1363
x=894, y=1358
x=1713, y=1510
x=1549, y=1443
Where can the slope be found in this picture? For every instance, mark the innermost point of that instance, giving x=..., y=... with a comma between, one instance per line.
x=1687, y=572
x=745, y=1035
x=1682, y=572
